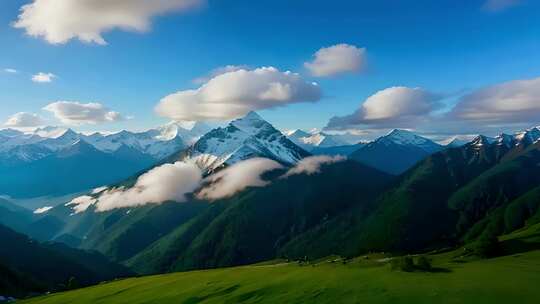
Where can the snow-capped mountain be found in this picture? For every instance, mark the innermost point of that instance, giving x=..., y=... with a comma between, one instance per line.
x=523, y=138
x=396, y=152
x=158, y=143
x=18, y=147
x=309, y=141
x=246, y=137
x=407, y=138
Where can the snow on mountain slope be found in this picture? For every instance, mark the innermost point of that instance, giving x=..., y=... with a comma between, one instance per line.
x=158, y=143
x=49, y=132
x=68, y=138
x=309, y=141
x=244, y=138
x=395, y=152
x=17, y=147
x=407, y=138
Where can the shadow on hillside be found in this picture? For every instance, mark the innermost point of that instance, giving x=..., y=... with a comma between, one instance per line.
x=439, y=270
x=514, y=246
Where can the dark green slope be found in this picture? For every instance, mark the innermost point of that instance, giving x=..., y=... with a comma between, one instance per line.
x=501, y=199
x=48, y=266
x=413, y=215
x=121, y=233
x=253, y=225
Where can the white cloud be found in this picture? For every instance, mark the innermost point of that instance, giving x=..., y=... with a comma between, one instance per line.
x=60, y=21
x=99, y=190
x=11, y=71
x=81, y=203
x=337, y=59
x=23, y=120
x=42, y=210
x=237, y=177
x=43, y=77
x=395, y=106
x=234, y=94
x=168, y=182
x=515, y=101
x=500, y=5
x=76, y=113
x=218, y=71
x=312, y=165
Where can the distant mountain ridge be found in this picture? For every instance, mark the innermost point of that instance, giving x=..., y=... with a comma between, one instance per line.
x=395, y=152
x=156, y=143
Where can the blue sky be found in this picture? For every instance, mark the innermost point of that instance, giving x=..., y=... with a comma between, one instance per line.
x=448, y=47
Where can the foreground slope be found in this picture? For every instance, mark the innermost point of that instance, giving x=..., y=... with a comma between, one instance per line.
x=29, y=266
x=508, y=279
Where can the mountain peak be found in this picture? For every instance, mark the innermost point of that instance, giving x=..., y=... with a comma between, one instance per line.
x=504, y=139
x=400, y=136
x=407, y=138
x=298, y=133
x=252, y=123
x=482, y=140
x=252, y=115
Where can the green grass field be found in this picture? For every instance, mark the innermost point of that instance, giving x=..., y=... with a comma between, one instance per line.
x=509, y=279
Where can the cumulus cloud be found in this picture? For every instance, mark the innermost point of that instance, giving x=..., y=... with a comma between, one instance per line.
x=515, y=101
x=237, y=177
x=233, y=94
x=42, y=210
x=60, y=21
x=218, y=71
x=23, y=120
x=395, y=106
x=11, y=71
x=76, y=113
x=43, y=77
x=337, y=59
x=500, y=5
x=169, y=182
x=312, y=165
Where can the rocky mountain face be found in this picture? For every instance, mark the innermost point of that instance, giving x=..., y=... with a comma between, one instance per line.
x=244, y=138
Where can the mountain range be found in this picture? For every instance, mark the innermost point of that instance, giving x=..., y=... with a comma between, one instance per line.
x=54, y=161
x=348, y=208
x=310, y=206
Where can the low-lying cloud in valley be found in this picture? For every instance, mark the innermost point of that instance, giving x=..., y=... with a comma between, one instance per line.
x=169, y=182
x=312, y=165
x=172, y=182
x=237, y=177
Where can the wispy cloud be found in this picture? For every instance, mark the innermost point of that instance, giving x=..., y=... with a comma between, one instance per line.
x=43, y=77
x=24, y=120
x=312, y=165
x=500, y=5
x=42, y=209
